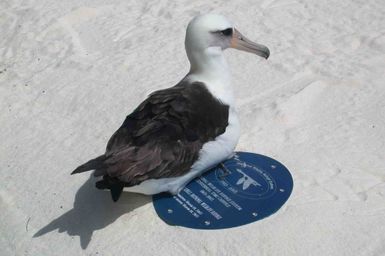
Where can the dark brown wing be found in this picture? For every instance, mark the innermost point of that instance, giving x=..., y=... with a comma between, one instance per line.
x=162, y=137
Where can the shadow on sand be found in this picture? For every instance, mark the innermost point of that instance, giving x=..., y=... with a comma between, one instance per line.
x=93, y=210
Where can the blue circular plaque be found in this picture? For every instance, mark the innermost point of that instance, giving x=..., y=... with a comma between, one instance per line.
x=246, y=188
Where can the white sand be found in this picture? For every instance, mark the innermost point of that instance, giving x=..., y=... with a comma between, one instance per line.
x=71, y=71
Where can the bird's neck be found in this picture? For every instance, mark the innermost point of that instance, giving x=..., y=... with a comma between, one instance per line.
x=210, y=67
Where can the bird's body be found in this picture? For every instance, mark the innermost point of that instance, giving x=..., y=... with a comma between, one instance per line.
x=179, y=132
x=208, y=154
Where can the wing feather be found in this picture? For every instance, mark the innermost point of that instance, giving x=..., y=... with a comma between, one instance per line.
x=162, y=137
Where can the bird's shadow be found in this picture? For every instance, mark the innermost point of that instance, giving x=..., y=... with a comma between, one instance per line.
x=93, y=209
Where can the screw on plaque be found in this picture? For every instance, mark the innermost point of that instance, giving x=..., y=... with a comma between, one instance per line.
x=225, y=171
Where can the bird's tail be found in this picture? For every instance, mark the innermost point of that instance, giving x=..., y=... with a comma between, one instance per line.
x=94, y=164
x=98, y=164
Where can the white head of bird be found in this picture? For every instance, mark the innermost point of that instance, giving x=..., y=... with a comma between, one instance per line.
x=207, y=36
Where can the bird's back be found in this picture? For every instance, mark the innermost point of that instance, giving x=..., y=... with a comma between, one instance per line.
x=162, y=137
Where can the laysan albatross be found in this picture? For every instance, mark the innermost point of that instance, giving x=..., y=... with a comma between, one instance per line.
x=178, y=133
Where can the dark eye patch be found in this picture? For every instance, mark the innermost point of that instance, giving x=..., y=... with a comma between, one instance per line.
x=227, y=32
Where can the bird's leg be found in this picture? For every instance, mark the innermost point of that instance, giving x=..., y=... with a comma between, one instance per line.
x=176, y=189
x=225, y=171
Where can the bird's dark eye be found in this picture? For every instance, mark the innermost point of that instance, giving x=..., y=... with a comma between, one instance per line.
x=227, y=32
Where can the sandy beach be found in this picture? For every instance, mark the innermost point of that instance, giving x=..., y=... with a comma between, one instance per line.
x=70, y=71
